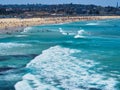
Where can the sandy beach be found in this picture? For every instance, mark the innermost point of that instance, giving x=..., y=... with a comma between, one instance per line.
x=7, y=24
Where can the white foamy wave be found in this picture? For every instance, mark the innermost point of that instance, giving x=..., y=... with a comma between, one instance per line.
x=37, y=85
x=56, y=68
x=11, y=45
x=66, y=33
x=80, y=34
x=63, y=32
x=21, y=36
x=92, y=24
x=27, y=29
x=12, y=48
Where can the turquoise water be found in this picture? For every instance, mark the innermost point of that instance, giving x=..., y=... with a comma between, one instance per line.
x=72, y=56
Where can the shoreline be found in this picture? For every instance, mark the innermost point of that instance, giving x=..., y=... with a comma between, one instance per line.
x=9, y=25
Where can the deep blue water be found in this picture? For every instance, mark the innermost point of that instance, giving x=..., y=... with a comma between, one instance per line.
x=72, y=56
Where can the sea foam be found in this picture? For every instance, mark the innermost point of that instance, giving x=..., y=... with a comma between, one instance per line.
x=10, y=48
x=80, y=34
x=63, y=32
x=92, y=24
x=12, y=45
x=58, y=69
x=27, y=29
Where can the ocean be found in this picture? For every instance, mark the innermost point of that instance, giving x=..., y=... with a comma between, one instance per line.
x=81, y=55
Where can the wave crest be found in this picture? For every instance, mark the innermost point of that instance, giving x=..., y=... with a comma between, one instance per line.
x=56, y=68
x=27, y=29
x=92, y=24
x=80, y=34
x=63, y=32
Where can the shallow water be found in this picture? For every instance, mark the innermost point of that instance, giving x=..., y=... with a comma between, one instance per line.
x=73, y=56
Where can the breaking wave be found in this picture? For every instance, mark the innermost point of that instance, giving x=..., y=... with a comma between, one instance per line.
x=92, y=24
x=11, y=48
x=63, y=32
x=27, y=29
x=11, y=45
x=58, y=69
x=80, y=34
x=66, y=33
